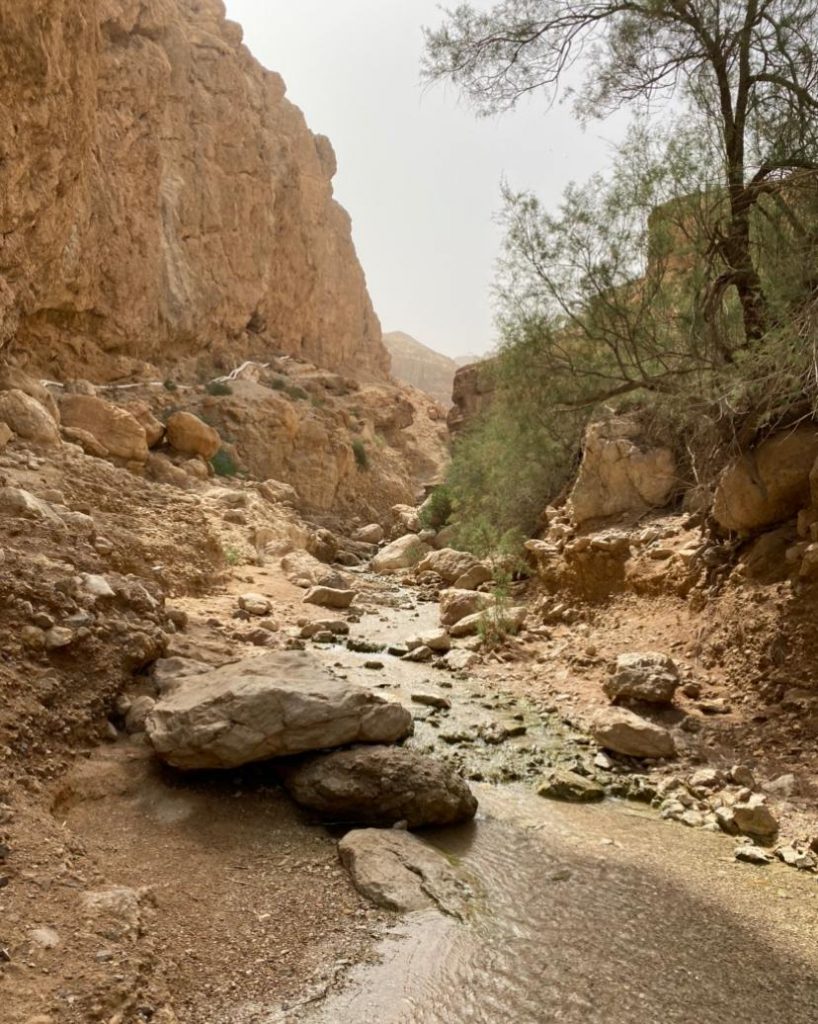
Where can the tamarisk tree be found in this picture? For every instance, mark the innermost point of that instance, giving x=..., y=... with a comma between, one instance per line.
x=746, y=73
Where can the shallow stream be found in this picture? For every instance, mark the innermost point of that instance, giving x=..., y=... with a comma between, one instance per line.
x=601, y=915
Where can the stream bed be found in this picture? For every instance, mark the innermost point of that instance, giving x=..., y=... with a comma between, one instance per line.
x=599, y=914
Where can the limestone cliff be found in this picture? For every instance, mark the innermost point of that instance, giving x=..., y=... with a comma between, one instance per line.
x=161, y=200
x=416, y=364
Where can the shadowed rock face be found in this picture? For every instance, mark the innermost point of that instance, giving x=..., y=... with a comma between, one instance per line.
x=159, y=197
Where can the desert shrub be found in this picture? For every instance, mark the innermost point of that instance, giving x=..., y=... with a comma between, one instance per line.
x=361, y=454
x=224, y=464
x=436, y=510
x=170, y=385
x=219, y=388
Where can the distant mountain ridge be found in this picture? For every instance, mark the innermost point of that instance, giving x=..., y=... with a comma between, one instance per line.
x=417, y=364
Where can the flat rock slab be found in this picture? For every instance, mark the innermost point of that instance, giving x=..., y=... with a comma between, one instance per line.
x=329, y=597
x=381, y=786
x=562, y=784
x=398, y=871
x=272, y=706
x=623, y=732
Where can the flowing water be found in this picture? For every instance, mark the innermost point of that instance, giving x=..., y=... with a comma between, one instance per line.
x=598, y=915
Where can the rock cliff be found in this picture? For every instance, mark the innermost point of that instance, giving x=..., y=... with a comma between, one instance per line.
x=416, y=364
x=161, y=199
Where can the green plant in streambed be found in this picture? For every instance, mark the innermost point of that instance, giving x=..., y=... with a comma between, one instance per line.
x=219, y=388
x=361, y=454
x=224, y=464
x=496, y=624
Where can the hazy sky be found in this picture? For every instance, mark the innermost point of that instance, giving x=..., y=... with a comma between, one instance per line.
x=418, y=172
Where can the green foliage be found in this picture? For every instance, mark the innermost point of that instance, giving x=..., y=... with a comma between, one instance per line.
x=436, y=510
x=219, y=388
x=224, y=464
x=495, y=625
x=361, y=454
x=232, y=556
x=170, y=385
x=291, y=390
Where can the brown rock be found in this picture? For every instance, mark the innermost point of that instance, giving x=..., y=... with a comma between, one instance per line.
x=6, y=434
x=192, y=436
x=651, y=677
x=154, y=428
x=329, y=597
x=623, y=732
x=769, y=484
x=151, y=241
x=114, y=428
x=619, y=472
x=382, y=785
x=27, y=418
x=449, y=564
x=458, y=604
x=402, y=553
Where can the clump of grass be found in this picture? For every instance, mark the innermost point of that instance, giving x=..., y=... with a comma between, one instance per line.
x=218, y=388
x=224, y=464
x=170, y=385
x=360, y=453
x=291, y=390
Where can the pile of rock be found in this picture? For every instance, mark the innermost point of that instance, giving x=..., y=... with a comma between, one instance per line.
x=287, y=703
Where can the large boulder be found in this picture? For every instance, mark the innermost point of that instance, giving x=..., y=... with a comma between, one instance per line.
x=14, y=379
x=115, y=429
x=458, y=604
x=189, y=435
x=303, y=570
x=620, y=473
x=397, y=871
x=449, y=564
x=28, y=418
x=754, y=818
x=650, y=677
x=769, y=484
x=501, y=620
x=381, y=786
x=371, y=534
x=402, y=553
x=272, y=706
x=624, y=732
x=154, y=428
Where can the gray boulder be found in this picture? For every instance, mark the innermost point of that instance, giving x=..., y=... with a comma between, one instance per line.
x=562, y=784
x=381, y=786
x=623, y=732
x=398, y=871
x=271, y=706
x=650, y=677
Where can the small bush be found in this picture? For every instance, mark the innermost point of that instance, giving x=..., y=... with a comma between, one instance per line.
x=232, y=557
x=436, y=510
x=170, y=385
x=224, y=464
x=361, y=454
x=291, y=390
x=219, y=387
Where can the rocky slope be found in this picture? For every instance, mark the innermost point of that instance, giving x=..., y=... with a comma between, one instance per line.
x=416, y=364
x=161, y=200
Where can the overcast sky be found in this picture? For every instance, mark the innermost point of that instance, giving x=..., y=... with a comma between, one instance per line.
x=418, y=172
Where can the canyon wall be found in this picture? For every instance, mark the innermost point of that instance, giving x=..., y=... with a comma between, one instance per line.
x=416, y=364
x=161, y=199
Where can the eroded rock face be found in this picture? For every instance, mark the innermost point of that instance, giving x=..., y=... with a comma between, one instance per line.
x=769, y=484
x=278, y=704
x=381, y=786
x=151, y=241
x=619, y=473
